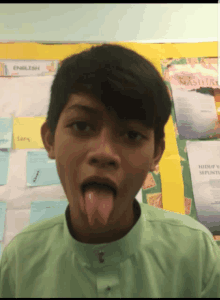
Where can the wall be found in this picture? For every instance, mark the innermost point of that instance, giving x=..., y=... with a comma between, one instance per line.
x=108, y=22
x=75, y=23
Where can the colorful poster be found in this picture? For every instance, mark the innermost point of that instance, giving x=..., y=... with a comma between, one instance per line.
x=17, y=67
x=195, y=94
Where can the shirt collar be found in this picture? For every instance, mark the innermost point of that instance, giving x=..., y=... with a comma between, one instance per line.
x=101, y=255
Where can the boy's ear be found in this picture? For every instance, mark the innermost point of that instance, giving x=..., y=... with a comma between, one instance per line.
x=158, y=154
x=47, y=139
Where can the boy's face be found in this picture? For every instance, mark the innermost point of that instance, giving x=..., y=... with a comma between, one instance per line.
x=81, y=149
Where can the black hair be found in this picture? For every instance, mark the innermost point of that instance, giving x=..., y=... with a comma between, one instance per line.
x=125, y=82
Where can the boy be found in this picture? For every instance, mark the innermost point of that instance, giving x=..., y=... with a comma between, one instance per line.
x=105, y=129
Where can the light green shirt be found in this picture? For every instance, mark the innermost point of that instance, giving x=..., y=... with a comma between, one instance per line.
x=165, y=255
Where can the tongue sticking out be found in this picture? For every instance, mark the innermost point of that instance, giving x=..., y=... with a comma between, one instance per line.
x=98, y=204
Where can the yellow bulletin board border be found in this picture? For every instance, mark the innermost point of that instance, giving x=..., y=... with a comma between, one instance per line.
x=170, y=168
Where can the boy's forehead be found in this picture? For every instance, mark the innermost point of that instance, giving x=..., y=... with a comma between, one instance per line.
x=85, y=103
x=91, y=105
x=85, y=100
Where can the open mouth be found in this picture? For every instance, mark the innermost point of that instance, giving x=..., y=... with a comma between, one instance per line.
x=100, y=186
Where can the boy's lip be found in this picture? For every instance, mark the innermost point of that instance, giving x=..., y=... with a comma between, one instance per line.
x=102, y=180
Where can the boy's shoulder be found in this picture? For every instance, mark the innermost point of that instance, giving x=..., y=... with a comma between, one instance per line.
x=177, y=220
x=37, y=233
x=43, y=225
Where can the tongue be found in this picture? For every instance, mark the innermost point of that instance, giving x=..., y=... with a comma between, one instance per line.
x=98, y=204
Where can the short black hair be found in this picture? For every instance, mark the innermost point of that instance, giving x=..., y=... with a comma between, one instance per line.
x=125, y=82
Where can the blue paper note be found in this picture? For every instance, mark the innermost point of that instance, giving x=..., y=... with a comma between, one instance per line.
x=41, y=170
x=42, y=210
x=3, y=206
x=6, y=129
x=4, y=166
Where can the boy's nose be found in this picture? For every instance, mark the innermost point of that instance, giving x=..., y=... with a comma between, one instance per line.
x=104, y=153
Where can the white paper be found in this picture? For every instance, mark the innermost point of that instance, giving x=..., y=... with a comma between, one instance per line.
x=25, y=96
x=204, y=163
x=195, y=114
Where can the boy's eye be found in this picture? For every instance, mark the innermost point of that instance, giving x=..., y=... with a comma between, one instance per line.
x=83, y=125
x=80, y=126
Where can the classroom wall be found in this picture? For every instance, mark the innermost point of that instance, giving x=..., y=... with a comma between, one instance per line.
x=92, y=23
x=76, y=23
x=108, y=22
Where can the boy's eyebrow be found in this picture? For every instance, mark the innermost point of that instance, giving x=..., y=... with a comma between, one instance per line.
x=88, y=109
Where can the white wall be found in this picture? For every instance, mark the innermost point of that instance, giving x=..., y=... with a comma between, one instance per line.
x=108, y=22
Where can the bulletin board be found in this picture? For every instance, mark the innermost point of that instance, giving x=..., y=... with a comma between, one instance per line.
x=166, y=183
